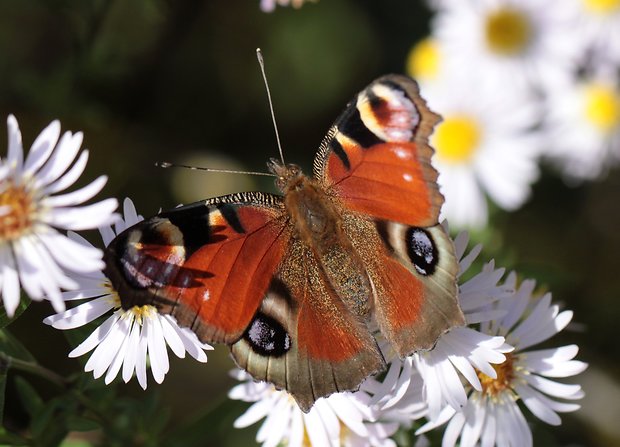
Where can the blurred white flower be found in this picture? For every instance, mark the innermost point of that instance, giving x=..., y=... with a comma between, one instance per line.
x=33, y=252
x=129, y=336
x=270, y=5
x=583, y=125
x=457, y=355
x=492, y=415
x=339, y=419
x=484, y=146
x=499, y=45
x=597, y=23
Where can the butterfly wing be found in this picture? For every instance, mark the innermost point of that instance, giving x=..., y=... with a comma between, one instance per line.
x=208, y=264
x=376, y=159
x=375, y=164
x=303, y=339
x=413, y=271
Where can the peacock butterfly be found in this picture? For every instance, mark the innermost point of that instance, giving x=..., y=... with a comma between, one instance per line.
x=291, y=282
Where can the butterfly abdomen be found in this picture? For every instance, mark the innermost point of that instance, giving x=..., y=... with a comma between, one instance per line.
x=319, y=225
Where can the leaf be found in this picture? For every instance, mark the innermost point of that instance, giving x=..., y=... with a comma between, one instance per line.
x=29, y=397
x=8, y=438
x=212, y=427
x=42, y=421
x=5, y=320
x=80, y=423
x=49, y=425
x=11, y=346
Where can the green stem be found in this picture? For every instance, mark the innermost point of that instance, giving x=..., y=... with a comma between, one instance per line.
x=33, y=368
x=6, y=361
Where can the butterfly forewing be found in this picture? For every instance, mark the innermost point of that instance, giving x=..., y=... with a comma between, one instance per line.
x=376, y=159
x=208, y=264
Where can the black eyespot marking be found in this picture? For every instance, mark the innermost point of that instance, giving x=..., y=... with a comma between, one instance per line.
x=422, y=250
x=267, y=337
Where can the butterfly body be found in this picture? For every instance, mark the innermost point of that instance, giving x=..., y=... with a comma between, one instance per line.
x=292, y=282
x=318, y=224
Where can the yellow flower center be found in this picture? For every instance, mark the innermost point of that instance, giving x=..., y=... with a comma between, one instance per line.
x=456, y=139
x=508, y=31
x=423, y=60
x=137, y=313
x=505, y=376
x=17, y=210
x=602, y=6
x=142, y=312
x=113, y=297
x=602, y=106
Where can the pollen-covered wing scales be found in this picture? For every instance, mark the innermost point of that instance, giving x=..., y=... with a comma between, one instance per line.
x=291, y=282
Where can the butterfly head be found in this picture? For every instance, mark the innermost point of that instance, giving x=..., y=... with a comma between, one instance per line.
x=288, y=176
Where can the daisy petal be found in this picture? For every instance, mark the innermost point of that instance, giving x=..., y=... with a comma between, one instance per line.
x=15, y=154
x=78, y=196
x=70, y=177
x=84, y=217
x=61, y=159
x=42, y=148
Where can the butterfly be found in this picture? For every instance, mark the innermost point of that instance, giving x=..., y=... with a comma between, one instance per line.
x=294, y=283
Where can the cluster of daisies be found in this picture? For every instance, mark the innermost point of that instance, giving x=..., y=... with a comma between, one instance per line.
x=518, y=81
x=480, y=381
x=472, y=382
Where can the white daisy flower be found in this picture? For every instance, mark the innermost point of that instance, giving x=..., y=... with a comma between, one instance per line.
x=339, y=419
x=270, y=5
x=597, y=23
x=129, y=336
x=483, y=147
x=502, y=45
x=33, y=252
x=459, y=353
x=399, y=396
x=583, y=126
x=492, y=415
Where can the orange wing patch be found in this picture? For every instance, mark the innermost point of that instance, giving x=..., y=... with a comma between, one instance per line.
x=380, y=178
x=240, y=267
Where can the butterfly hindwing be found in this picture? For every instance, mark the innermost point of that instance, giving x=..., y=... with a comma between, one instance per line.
x=376, y=160
x=208, y=264
x=413, y=273
x=414, y=313
x=303, y=339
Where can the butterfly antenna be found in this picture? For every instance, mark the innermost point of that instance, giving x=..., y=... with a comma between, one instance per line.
x=165, y=164
x=261, y=62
